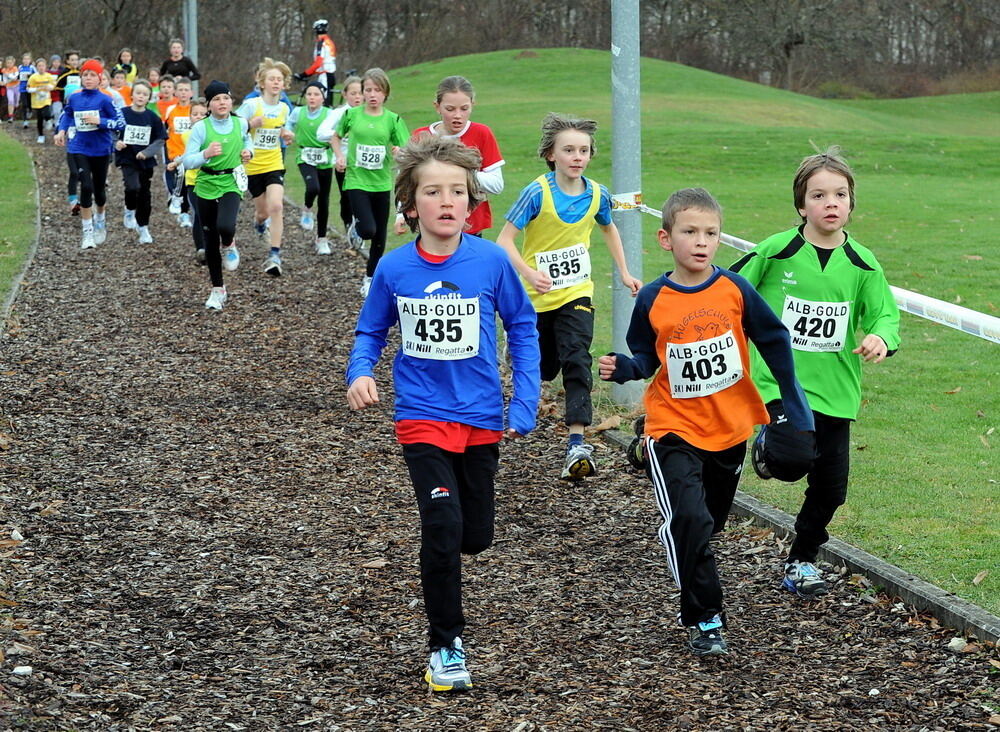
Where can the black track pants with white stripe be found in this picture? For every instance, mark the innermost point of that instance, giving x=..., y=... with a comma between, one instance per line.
x=694, y=489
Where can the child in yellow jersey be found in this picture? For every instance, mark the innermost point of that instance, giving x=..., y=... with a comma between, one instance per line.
x=199, y=110
x=40, y=86
x=266, y=172
x=557, y=213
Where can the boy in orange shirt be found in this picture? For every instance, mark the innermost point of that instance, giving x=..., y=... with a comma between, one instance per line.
x=690, y=328
x=177, y=121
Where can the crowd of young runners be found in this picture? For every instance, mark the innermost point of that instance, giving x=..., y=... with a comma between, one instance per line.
x=778, y=339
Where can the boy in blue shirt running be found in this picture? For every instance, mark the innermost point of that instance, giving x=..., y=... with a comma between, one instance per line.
x=443, y=291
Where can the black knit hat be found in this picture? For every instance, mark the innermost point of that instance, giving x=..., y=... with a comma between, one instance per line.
x=318, y=85
x=216, y=88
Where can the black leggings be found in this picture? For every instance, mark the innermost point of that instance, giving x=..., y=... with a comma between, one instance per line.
x=25, y=104
x=318, y=182
x=41, y=115
x=346, y=215
x=196, y=233
x=73, y=184
x=92, y=172
x=137, y=193
x=371, y=209
x=218, y=225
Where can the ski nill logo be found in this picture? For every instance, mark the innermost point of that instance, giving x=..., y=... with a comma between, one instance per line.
x=441, y=285
x=440, y=492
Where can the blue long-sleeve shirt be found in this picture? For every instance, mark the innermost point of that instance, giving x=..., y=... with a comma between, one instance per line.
x=91, y=140
x=446, y=370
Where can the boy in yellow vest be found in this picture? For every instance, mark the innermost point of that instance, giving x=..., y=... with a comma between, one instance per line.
x=557, y=213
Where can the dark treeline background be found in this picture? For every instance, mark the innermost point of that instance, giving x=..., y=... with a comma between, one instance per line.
x=848, y=48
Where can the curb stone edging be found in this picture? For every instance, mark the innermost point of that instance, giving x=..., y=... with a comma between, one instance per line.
x=15, y=284
x=951, y=610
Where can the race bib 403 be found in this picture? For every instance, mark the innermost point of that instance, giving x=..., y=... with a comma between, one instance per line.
x=439, y=328
x=704, y=367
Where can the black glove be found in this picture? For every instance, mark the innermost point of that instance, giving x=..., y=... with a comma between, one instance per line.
x=299, y=76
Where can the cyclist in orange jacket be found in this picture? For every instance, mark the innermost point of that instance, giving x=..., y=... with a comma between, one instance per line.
x=324, y=61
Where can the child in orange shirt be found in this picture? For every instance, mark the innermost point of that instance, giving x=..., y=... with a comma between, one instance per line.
x=690, y=327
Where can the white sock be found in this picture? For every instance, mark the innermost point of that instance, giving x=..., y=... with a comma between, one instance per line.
x=88, y=225
x=98, y=218
x=143, y=229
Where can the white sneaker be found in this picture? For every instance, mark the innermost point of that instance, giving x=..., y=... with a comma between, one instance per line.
x=446, y=669
x=322, y=246
x=100, y=231
x=199, y=256
x=88, y=240
x=41, y=140
x=366, y=285
x=306, y=221
x=175, y=205
x=230, y=257
x=185, y=221
x=216, y=299
x=354, y=239
x=129, y=220
x=272, y=265
x=144, y=236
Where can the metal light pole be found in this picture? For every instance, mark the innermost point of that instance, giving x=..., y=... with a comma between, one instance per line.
x=626, y=171
x=190, y=15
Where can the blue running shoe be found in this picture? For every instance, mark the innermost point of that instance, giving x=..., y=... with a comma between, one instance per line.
x=804, y=580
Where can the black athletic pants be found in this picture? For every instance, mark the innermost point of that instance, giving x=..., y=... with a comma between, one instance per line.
x=73, y=184
x=346, y=215
x=318, y=182
x=330, y=80
x=92, y=172
x=564, y=338
x=42, y=114
x=137, y=192
x=371, y=209
x=694, y=490
x=455, y=496
x=218, y=225
x=826, y=486
x=196, y=232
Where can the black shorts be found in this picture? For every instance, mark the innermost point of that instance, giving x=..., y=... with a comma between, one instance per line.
x=259, y=182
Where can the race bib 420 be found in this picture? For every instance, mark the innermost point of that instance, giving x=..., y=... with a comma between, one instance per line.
x=820, y=327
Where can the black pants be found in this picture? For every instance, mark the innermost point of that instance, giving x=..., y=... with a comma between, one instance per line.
x=346, y=215
x=455, y=496
x=371, y=209
x=137, y=192
x=73, y=183
x=826, y=486
x=318, y=182
x=694, y=490
x=169, y=177
x=42, y=114
x=4, y=109
x=564, y=338
x=92, y=172
x=25, y=104
x=329, y=79
x=196, y=232
x=218, y=226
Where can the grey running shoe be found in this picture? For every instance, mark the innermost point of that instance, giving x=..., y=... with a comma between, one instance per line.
x=446, y=669
x=579, y=463
x=706, y=639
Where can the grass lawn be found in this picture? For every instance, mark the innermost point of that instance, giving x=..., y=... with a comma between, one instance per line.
x=17, y=211
x=924, y=485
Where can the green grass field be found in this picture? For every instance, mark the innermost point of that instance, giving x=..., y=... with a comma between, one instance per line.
x=17, y=211
x=924, y=491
